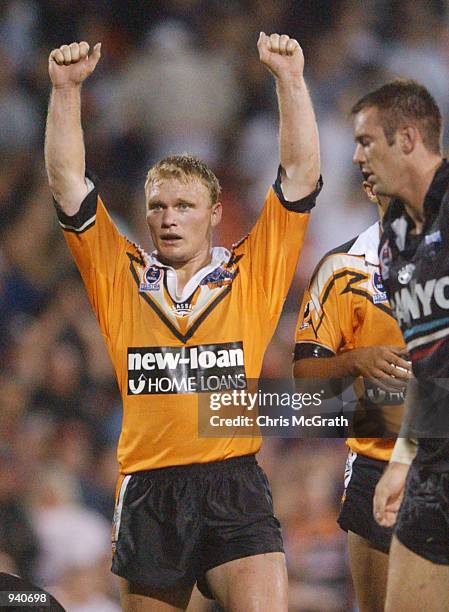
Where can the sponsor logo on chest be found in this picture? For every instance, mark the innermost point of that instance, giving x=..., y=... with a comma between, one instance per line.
x=421, y=299
x=194, y=369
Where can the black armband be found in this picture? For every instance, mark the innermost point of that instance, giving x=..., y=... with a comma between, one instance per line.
x=303, y=205
x=85, y=217
x=305, y=350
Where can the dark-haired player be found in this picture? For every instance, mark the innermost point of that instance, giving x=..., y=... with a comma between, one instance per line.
x=346, y=329
x=177, y=323
x=398, y=134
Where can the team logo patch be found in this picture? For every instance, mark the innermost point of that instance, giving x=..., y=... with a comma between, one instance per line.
x=379, y=289
x=151, y=279
x=186, y=369
x=385, y=257
x=218, y=278
x=405, y=274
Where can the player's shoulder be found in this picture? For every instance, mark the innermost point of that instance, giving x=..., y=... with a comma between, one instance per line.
x=334, y=260
x=350, y=255
x=136, y=253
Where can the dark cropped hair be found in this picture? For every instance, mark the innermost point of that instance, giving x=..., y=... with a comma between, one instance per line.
x=405, y=101
x=184, y=167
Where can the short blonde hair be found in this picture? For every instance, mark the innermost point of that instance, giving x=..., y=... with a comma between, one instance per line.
x=184, y=167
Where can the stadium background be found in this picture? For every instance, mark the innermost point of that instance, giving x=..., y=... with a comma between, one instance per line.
x=179, y=75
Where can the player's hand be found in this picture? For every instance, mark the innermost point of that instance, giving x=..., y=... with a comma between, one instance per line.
x=386, y=366
x=70, y=65
x=389, y=493
x=281, y=54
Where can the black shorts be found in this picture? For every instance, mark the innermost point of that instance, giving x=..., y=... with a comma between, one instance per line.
x=172, y=525
x=356, y=514
x=423, y=519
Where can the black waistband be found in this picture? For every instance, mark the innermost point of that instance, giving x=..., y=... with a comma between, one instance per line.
x=199, y=468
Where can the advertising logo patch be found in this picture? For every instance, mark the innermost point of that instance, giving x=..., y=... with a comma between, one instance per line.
x=186, y=369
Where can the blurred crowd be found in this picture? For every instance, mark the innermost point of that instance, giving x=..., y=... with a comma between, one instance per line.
x=175, y=76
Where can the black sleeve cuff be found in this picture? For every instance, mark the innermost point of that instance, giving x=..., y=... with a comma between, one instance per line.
x=304, y=204
x=85, y=217
x=305, y=350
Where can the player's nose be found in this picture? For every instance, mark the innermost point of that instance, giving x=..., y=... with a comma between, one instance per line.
x=358, y=156
x=169, y=218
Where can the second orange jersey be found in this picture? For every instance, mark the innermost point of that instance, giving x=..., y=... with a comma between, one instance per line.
x=345, y=307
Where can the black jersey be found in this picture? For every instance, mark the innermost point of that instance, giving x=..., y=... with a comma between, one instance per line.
x=415, y=272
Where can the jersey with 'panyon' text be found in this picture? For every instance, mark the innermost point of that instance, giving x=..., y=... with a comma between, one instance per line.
x=345, y=307
x=415, y=269
x=167, y=351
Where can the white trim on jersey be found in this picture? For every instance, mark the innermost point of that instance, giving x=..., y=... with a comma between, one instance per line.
x=84, y=226
x=442, y=333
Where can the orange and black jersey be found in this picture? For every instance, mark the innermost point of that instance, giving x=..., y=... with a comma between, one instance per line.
x=166, y=351
x=346, y=307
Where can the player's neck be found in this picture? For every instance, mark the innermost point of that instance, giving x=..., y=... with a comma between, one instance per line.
x=414, y=192
x=185, y=271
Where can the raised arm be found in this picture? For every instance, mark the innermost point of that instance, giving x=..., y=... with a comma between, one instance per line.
x=298, y=133
x=68, y=67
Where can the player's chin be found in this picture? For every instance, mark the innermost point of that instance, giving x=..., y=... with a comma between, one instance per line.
x=172, y=253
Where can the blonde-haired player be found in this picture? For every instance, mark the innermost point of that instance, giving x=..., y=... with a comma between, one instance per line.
x=176, y=321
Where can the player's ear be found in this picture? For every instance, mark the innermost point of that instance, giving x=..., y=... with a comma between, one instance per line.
x=217, y=210
x=408, y=138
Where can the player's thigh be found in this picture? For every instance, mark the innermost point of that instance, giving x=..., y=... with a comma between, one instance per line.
x=369, y=570
x=253, y=584
x=199, y=603
x=414, y=583
x=137, y=598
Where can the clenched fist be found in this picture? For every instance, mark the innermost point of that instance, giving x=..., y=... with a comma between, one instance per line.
x=70, y=65
x=281, y=54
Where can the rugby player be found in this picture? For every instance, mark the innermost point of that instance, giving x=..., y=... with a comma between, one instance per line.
x=177, y=323
x=346, y=329
x=398, y=130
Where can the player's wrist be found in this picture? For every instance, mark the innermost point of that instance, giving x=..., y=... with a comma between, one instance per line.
x=349, y=363
x=61, y=87
x=404, y=452
x=290, y=81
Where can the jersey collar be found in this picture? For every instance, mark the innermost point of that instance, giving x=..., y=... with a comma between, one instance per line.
x=367, y=244
x=220, y=256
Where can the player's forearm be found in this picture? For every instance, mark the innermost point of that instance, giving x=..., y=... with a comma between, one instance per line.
x=339, y=366
x=411, y=410
x=64, y=148
x=298, y=138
